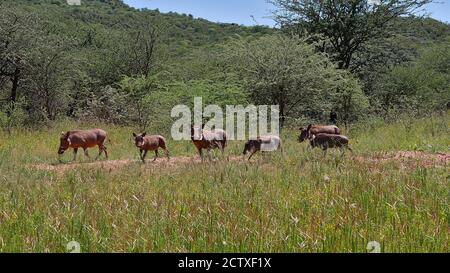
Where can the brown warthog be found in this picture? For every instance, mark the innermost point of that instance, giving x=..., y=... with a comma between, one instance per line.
x=83, y=139
x=150, y=143
x=318, y=129
x=325, y=141
x=263, y=143
x=209, y=140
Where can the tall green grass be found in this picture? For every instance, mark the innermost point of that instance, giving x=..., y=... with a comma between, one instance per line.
x=300, y=201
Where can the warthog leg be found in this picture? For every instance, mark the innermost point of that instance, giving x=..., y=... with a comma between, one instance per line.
x=221, y=147
x=75, y=151
x=209, y=154
x=167, y=153
x=105, y=151
x=143, y=156
x=253, y=152
x=86, y=153
x=101, y=149
x=156, y=155
x=200, y=152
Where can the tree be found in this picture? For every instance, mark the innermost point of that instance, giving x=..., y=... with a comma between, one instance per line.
x=147, y=101
x=16, y=40
x=420, y=87
x=349, y=101
x=286, y=71
x=348, y=25
x=49, y=77
x=143, y=45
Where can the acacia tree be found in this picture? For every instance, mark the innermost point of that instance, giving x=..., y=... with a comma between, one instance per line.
x=49, y=78
x=143, y=46
x=286, y=71
x=348, y=25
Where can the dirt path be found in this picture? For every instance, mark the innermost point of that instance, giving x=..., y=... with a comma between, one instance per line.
x=175, y=162
x=407, y=159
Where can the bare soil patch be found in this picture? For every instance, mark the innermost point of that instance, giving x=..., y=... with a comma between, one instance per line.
x=406, y=159
x=409, y=159
x=110, y=165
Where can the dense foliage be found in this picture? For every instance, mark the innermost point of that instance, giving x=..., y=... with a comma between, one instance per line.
x=109, y=62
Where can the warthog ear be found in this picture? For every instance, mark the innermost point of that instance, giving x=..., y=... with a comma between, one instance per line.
x=301, y=128
x=309, y=127
x=144, y=134
x=134, y=134
x=65, y=135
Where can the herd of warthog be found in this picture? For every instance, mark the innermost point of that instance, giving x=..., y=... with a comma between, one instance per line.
x=321, y=136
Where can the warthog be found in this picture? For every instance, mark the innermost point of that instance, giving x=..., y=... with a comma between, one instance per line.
x=150, y=143
x=318, y=129
x=263, y=143
x=325, y=141
x=209, y=140
x=83, y=139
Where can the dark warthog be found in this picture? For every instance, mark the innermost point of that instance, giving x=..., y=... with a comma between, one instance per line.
x=318, y=129
x=209, y=140
x=83, y=139
x=325, y=141
x=263, y=143
x=150, y=143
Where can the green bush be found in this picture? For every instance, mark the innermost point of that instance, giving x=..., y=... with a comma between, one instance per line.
x=420, y=87
x=12, y=116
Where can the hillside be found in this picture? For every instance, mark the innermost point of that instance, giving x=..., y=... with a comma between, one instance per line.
x=184, y=32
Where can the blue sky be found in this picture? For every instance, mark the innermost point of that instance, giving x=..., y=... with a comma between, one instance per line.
x=240, y=11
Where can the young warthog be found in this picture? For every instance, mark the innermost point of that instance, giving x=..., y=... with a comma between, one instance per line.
x=83, y=139
x=263, y=143
x=318, y=129
x=150, y=143
x=209, y=140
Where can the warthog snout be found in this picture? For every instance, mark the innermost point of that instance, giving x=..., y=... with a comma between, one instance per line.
x=139, y=140
x=247, y=148
x=304, y=134
x=251, y=146
x=64, y=143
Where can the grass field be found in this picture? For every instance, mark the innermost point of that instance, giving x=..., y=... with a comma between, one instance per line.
x=297, y=202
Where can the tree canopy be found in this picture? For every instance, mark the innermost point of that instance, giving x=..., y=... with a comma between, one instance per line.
x=347, y=25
